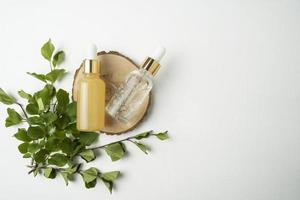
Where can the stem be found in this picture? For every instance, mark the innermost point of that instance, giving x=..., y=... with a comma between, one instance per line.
x=131, y=141
x=21, y=106
x=51, y=67
x=126, y=139
x=54, y=106
x=34, y=167
x=31, y=171
x=102, y=146
x=45, y=166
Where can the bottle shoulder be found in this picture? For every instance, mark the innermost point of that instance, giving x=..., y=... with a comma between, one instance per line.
x=92, y=79
x=140, y=74
x=139, y=79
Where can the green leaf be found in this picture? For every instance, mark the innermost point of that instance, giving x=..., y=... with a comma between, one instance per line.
x=49, y=117
x=50, y=173
x=115, y=151
x=46, y=94
x=162, y=136
x=78, y=149
x=91, y=184
x=108, y=184
x=143, y=135
x=40, y=104
x=60, y=134
x=22, y=135
x=58, y=159
x=110, y=176
x=5, y=98
x=66, y=177
x=40, y=77
x=36, y=132
x=36, y=172
x=55, y=75
x=66, y=146
x=33, y=147
x=35, y=120
x=88, y=138
x=42, y=142
x=13, y=118
x=108, y=179
x=24, y=95
x=27, y=155
x=62, y=100
x=41, y=156
x=72, y=130
x=62, y=122
x=52, y=143
x=23, y=148
x=58, y=58
x=73, y=168
x=71, y=110
x=32, y=109
x=89, y=175
x=141, y=146
x=47, y=50
x=88, y=155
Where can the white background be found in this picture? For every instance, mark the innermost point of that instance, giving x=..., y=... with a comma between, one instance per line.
x=228, y=92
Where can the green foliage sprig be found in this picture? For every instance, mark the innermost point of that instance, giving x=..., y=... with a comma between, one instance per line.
x=51, y=139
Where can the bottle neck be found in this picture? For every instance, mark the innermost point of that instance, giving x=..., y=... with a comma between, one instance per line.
x=151, y=65
x=145, y=72
x=91, y=66
x=92, y=75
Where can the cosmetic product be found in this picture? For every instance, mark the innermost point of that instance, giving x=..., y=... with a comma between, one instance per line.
x=131, y=94
x=91, y=95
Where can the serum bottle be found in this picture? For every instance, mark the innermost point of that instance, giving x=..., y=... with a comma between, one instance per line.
x=91, y=95
x=131, y=94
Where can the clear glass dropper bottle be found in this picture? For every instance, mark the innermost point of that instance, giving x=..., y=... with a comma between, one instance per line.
x=131, y=94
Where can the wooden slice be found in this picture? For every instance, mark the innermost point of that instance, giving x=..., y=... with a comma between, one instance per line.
x=114, y=69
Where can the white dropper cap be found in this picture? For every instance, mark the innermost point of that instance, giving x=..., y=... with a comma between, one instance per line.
x=91, y=63
x=91, y=52
x=158, y=54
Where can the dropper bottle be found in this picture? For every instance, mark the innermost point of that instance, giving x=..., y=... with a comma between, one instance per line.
x=91, y=95
x=131, y=94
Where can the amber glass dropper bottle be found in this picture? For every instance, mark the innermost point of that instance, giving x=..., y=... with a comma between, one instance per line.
x=91, y=95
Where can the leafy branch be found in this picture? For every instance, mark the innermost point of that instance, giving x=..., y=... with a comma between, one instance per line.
x=116, y=149
x=51, y=139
